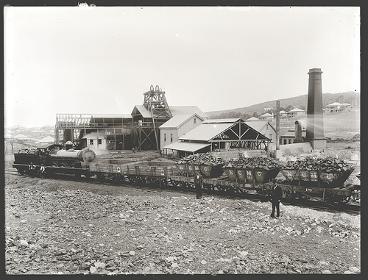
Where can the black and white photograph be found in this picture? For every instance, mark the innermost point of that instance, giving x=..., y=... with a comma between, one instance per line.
x=182, y=140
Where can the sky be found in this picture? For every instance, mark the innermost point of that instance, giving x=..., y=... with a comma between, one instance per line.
x=102, y=59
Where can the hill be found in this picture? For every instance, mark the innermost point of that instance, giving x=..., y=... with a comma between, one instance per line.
x=31, y=132
x=297, y=101
x=343, y=125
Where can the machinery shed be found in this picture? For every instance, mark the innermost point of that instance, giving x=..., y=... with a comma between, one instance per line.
x=224, y=134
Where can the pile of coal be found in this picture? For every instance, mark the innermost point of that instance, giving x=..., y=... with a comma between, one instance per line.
x=29, y=151
x=328, y=164
x=254, y=162
x=202, y=159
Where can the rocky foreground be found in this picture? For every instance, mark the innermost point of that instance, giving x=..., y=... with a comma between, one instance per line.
x=64, y=227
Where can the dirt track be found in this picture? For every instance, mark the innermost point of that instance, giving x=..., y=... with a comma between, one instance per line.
x=72, y=227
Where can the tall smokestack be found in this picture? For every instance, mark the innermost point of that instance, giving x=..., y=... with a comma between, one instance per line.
x=315, y=129
x=278, y=125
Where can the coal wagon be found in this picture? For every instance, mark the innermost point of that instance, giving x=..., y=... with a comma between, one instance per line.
x=322, y=178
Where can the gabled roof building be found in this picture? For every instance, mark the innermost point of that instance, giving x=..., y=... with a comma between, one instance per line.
x=266, y=116
x=296, y=112
x=337, y=107
x=264, y=127
x=175, y=127
x=252, y=119
x=220, y=134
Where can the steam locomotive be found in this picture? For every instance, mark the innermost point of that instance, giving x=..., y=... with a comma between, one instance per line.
x=53, y=159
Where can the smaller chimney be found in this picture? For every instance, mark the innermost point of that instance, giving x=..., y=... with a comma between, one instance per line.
x=298, y=132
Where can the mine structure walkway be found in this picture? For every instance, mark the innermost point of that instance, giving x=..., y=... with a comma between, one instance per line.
x=81, y=124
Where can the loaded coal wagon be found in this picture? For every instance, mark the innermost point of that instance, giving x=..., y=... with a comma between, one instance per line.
x=322, y=178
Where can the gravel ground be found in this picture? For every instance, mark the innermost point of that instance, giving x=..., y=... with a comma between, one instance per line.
x=69, y=227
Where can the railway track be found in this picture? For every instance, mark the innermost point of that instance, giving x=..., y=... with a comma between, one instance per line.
x=353, y=209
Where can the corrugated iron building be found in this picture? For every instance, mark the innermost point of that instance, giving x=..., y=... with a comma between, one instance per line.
x=177, y=126
x=220, y=134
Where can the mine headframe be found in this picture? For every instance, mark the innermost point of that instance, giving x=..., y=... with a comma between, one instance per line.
x=156, y=104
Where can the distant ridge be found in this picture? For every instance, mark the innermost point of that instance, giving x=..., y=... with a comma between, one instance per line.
x=297, y=101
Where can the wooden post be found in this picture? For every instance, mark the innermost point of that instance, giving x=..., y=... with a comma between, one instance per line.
x=239, y=123
x=123, y=146
x=122, y=132
x=139, y=138
x=277, y=125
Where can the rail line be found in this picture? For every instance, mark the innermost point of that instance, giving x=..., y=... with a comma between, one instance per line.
x=349, y=208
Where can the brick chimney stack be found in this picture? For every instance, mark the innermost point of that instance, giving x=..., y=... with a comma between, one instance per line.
x=315, y=129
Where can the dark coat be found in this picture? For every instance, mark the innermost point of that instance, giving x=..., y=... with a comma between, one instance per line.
x=276, y=193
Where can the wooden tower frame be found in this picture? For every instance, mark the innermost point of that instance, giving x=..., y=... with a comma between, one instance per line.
x=147, y=131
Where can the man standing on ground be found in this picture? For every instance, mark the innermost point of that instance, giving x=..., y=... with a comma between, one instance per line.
x=276, y=196
x=198, y=182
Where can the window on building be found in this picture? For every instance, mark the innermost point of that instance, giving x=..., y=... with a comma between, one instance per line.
x=271, y=136
x=164, y=137
x=99, y=141
x=195, y=121
x=91, y=141
x=171, y=137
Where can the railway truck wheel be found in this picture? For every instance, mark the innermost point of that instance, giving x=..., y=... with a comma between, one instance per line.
x=355, y=196
x=116, y=179
x=21, y=171
x=290, y=197
x=100, y=177
x=211, y=189
x=346, y=199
